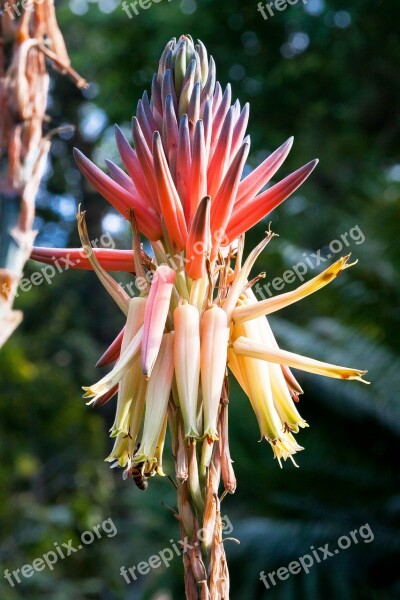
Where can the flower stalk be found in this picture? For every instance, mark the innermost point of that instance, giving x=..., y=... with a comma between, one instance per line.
x=197, y=320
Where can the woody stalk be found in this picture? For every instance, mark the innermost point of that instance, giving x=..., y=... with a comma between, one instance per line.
x=195, y=320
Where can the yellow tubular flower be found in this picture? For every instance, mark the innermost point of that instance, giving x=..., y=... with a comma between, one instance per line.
x=119, y=455
x=257, y=382
x=121, y=367
x=270, y=305
x=282, y=398
x=236, y=368
x=245, y=346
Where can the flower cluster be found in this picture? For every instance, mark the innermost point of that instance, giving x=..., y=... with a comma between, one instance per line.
x=183, y=189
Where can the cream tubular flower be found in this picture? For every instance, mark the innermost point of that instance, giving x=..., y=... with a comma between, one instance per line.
x=214, y=347
x=157, y=396
x=187, y=364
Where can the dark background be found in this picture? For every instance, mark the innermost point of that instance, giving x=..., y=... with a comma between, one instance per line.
x=327, y=73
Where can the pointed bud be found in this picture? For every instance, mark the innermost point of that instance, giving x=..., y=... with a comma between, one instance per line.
x=170, y=202
x=198, y=244
x=221, y=157
x=183, y=164
x=187, y=88
x=119, y=197
x=121, y=177
x=75, y=258
x=224, y=201
x=255, y=181
x=240, y=129
x=246, y=214
x=145, y=159
x=220, y=112
x=209, y=86
x=197, y=184
x=131, y=162
x=180, y=66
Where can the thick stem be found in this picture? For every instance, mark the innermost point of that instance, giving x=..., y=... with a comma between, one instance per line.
x=204, y=560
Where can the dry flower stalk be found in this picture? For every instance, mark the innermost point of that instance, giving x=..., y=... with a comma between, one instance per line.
x=25, y=42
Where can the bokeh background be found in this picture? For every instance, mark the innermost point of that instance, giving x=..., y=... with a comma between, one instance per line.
x=325, y=71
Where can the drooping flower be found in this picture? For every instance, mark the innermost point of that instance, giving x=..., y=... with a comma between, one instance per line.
x=182, y=186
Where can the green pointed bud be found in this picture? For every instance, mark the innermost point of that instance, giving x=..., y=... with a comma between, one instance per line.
x=180, y=67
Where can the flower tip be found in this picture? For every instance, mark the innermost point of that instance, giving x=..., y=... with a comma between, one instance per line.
x=156, y=137
x=166, y=274
x=288, y=144
x=78, y=155
x=119, y=136
x=360, y=378
x=210, y=436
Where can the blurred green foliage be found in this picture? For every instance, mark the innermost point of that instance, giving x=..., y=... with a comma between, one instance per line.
x=327, y=74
